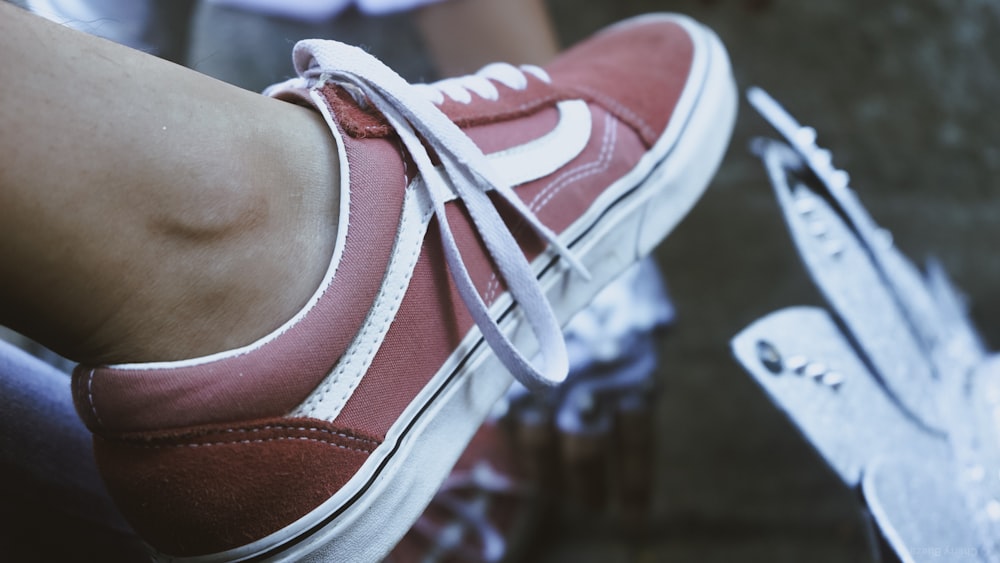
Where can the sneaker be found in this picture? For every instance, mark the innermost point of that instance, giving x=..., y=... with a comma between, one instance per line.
x=325, y=440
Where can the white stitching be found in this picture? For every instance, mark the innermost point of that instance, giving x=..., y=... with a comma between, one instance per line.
x=569, y=176
x=258, y=441
x=301, y=429
x=90, y=396
x=604, y=98
x=566, y=178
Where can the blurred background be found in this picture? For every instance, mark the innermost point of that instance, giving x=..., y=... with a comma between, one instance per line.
x=902, y=92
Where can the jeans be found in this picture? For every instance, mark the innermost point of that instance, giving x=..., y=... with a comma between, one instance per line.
x=54, y=506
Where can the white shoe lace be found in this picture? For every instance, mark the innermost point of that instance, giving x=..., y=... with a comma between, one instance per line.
x=481, y=83
x=464, y=173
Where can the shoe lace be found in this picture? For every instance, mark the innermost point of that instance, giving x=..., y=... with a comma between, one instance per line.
x=464, y=173
x=481, y=83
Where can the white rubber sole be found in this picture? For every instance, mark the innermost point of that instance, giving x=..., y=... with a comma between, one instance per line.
x=366, y=519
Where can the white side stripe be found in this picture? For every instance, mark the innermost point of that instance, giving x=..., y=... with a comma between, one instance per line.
x=518, y=165
x=550, y=152
x=327, y=400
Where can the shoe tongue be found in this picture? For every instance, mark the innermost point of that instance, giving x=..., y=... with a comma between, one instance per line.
x=354, y=120
x=365, y=121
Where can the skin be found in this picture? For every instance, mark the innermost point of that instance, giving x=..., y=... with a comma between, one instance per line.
x=151, y=213
x=148, y=212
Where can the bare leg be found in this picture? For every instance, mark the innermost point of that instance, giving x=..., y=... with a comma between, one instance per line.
x=148, y=212
x=463, y=35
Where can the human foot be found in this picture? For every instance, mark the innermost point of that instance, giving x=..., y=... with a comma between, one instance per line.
x=326, y=439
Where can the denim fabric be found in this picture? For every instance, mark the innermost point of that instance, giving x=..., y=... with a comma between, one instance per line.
x=54, y=503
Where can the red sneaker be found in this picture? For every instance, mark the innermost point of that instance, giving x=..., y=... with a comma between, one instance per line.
x=327, y=438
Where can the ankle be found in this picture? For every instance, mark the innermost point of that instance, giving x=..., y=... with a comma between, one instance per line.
x=240, y=256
